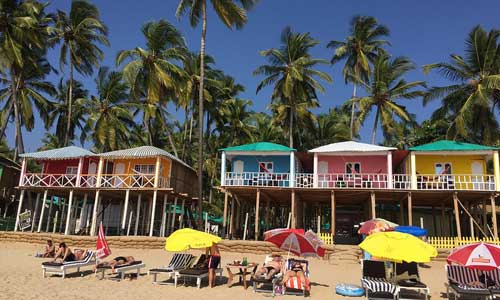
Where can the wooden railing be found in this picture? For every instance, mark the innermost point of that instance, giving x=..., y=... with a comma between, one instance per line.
x=327, y=238
x=257, y=179
x=357, y=181
x=49, y=180
x=454, y=242
x=456, y=182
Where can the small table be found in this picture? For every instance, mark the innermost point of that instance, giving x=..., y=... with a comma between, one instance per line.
x=241, y=271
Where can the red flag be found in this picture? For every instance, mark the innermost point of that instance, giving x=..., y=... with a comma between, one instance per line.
x=102, y=246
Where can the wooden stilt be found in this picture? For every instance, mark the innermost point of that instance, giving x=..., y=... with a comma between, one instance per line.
x=19, y=208
x=332, y=213
x=485, y=217
x=231, y=219
x=373, y=205
x=443, y=216
x=173, y=215
x=224, y=216
x=125, y=210
x=257, y=206
x=267, y=214
x=457, y=215
x=49, y=215
x=164, y=215
x=494, y=216
x=68, y=213
x=293, y=211
x=153, y=213
x=35, y=212
x=410, y=210
x=183, y=212
x=401, y=212
x=434, y=221
x=43, y=211
x=137, y=214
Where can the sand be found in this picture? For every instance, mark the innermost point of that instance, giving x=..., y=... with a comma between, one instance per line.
x=22, y=279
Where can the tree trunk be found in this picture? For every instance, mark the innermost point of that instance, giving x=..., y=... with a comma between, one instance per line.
x=185, y=133
x=353, y=109
x=292, y=113
x=17, y=117
x=70, y=103
x=200, y=113
x=171, y=141
x=5, y=121
x=374, y=132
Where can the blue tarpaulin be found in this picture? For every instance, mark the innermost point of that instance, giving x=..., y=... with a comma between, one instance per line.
x=413, y=230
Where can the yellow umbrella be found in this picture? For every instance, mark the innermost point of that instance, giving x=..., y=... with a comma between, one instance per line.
x=398, y=246
x=185, y=239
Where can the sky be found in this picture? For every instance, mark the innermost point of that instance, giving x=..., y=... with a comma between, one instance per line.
x=426, y=31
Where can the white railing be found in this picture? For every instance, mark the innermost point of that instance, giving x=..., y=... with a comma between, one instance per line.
x=90, y=180
x=456, y=182
x=401, y=181
x=353, y=181
x=257, y=179
x=304, y=180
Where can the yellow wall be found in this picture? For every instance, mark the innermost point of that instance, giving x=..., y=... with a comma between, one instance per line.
x=460, y=164
x=166, y=165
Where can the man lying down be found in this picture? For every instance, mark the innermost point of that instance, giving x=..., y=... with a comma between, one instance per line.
x=115, y=262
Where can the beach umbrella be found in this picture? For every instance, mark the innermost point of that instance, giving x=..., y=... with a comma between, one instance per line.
x=413, y=230
x=482, y=256
x=295, y=241
x=398, y=247
x=187, y=238
x=376, y=225
x=102, y=248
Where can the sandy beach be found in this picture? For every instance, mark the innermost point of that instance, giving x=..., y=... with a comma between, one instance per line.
x=22, y=279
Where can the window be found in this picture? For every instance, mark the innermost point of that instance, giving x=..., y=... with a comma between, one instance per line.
x=72, y=170
x=353, y=168
x=266, y=167
x=323, y=167
x=442, y=168
x=144, y=169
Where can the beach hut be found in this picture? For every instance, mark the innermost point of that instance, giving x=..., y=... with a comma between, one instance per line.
x=353, y=165
x=9, y=178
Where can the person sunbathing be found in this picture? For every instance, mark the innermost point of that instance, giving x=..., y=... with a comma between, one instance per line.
x=270, y=268
x=80, y=254
x=296, y=270
x=115, y=262
x=50, y=250
x=64, y=254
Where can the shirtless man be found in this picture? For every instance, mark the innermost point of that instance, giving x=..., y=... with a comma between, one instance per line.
x=213, y=263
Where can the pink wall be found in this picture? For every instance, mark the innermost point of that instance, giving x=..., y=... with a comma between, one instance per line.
x=59, y=166
x=376, y=164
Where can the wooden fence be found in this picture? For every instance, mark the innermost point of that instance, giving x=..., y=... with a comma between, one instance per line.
x=327, y=238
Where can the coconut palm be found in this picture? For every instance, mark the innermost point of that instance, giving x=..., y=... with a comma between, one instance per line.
x=58, y=112
x=358, y=50
x=152, y=73
x=109, y=117
x=291, y=72
x=231, y=15
x=385, y=88
x=475, y=92
x=80, y=34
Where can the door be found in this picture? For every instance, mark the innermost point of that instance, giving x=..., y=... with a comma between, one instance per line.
x=237, y=175
x=119, y=171
x=91, y=180
x=323, y=177
x=477, y=175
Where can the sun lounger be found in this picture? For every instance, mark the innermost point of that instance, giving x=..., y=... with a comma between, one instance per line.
x=459, y=283
x=264, y=285
x=294, y=286
x=121, y=270
x=198, y=272
x=178, y=262
x=375, y=282
x=63, y=268
x=495, y=287
x=408, y=279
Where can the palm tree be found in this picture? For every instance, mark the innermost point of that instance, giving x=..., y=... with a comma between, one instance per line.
x=359, y=49
x=330, y=127
x=80, y=33
x=231, y=15
x=109, y=117
x=58, y=112
x=475, y=92
x=291, y=72
x=152, y=74
x=265, y=129
x=50, y=141
x=385, y=88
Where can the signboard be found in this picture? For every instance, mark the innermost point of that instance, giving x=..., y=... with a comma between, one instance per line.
x=25, y=220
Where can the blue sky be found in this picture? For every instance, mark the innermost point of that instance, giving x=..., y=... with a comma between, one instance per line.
x=426, y=31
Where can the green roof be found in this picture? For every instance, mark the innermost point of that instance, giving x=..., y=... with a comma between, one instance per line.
x=446, y=145
x=260, y=147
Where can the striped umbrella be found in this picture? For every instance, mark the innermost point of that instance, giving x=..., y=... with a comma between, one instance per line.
x=481, y=256
x=294, y=240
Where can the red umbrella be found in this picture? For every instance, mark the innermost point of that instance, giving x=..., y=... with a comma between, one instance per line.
x=294, y=240
x=375, y=225
x=482, y=256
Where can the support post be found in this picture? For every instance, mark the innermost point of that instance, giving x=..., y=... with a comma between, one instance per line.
x=496, y=170
x=137, y=214
x=223, y=169
x=293, y=212
x=19, y=208
x=333, y=212
x=457, y=215
x=93, y=227
x=37, y=202
x=413, y=169
x=442, y=219
x=164, y=215
x=267, y=213
x=373, y=205
x=43, y=210
x=410, y=210
x=494, y=216
x=68, y=213
x=23, y=172
x=153, y=212
x=389, y=170
x=181, y=221
x=231, y=219
x=245, y=227
x=401, y=212
x=173, y=214
x=315, y=171
x=125, y=210
x=292, y=168
x=257, y=206
x=224, y=216
x=47, y=228
x=79, y=171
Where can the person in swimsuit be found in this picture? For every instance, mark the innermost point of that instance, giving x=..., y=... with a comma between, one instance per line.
x=64, y=254
x=80, y=254
x=213, y=262
x=297, y=270
x=117, y=261
x=270, y=268
x=50, y=250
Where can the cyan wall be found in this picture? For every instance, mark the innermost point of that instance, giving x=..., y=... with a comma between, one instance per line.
x=251, y=162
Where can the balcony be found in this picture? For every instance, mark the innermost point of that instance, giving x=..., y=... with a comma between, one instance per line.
x=353, y=181
x=257, y=179
x=124, y=181
x=466, y=182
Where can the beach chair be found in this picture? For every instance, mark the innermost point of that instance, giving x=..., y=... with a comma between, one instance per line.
x=122, y=270
x=294, y=286
x=199, y=271
x=460, y=285
x=408, y=280
x=63, y=268
x=375, y=282
x=178, y=262
x=264, y=285
x=495, y=286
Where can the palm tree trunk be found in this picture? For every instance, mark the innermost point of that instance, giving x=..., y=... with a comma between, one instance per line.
x=19, y=134
x=171, y=141
x=5, y=121
x=353, y=109
x=185, y=133
x=200, y=112
x=374, y=132
x=70, y=103
x=291, y=127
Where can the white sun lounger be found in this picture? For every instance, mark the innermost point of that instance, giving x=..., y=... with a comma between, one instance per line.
x=178, y=262
x=121, y=270
x=63, y=268
x=194, y=273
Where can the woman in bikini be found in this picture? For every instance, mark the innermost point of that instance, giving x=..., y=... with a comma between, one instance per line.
x=117, y=261
x=297, y=270
x=64, y=254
